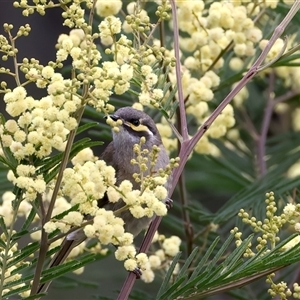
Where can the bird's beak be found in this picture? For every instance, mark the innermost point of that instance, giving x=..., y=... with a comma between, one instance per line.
x=113, y=117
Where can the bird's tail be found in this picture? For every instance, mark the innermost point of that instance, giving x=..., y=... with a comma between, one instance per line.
x=72, y=240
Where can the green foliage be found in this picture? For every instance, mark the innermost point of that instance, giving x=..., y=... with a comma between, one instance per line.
x=211, y=277
x=213, y=188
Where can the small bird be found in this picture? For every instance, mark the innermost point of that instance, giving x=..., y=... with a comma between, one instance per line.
x=135, y=124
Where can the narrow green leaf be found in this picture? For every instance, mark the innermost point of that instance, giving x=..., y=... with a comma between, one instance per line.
x=86, y=126
x=24, y=253
x=19, y=234
x=40, y=295
x=11, y=162
x=184, y=268
x=18, y=290
x=2, y=244
x=61, y=215
x=168, y=276
x=220, y=253
x=29, y=219
x=3, y=226
x=2, y=119
x=172, y=288
x=57, y=271
x=236, y=254
x=204, y=259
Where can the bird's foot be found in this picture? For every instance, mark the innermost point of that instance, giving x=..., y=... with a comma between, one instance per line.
x=138, y=273
x=169, y=203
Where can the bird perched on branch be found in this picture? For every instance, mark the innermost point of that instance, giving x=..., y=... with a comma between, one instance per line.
x=119, y=153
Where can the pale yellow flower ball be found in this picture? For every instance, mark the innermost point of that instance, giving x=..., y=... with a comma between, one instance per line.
x=138, y=106
x=47, y=72
x=106, y=8
x=137, y=211
x=236, y=64
x=79, y=271
x=155, y=261
x=124, y=252
x=83, y=156
x=130, y=264
x=74, y=218
x=11, y=126
x=240, y=49
x=147, y=276
x=161, y=254
x=89, y=231
x=126, y=239
x=289, y=209
x=294, y=170
x=50, y=227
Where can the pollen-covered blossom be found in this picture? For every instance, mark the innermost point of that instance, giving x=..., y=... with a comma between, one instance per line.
x=169, y=141
x=16, y=101
x=83, y=156
x=108, y=28
x=148, y=203
x=87, y=183
x=289, y=209
x=106, y=8
x=108, y=228
x=7, y=210
x=171, y=245
x=160, y=259
x=26, y=179
x=41, y=125
x=214, y=29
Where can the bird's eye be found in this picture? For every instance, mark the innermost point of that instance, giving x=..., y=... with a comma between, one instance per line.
x=135, y=122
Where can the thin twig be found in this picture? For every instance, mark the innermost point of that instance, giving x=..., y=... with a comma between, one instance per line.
x=13, y=47
x=261, y=141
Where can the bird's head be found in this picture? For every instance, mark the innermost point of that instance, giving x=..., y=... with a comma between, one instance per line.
x=135, y=124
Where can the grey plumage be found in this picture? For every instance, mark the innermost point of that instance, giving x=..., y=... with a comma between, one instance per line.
x=118, y=154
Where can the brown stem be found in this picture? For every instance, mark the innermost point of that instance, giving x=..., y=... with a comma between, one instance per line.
x=261, y=141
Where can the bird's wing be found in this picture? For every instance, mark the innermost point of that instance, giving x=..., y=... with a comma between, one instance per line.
x=107, y=156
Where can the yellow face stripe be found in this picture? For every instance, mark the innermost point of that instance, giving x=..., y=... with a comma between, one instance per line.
x=139, y=128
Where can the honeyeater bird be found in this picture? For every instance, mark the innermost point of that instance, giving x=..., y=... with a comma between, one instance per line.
x=119, y=153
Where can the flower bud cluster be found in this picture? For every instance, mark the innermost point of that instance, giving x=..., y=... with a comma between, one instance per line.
x=42, y=125
x=38, y=6
x=280, y=289
x=162, y=253
x=26, y=179
x=10, y=274
x=85, y=184
x=269, y=229
x=296, y=291
x=213, y=30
